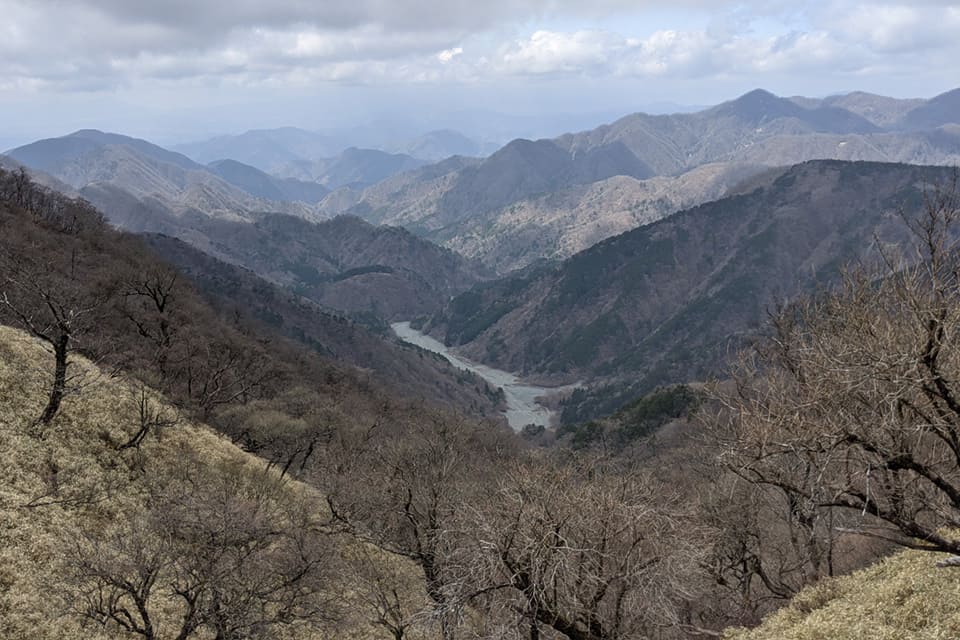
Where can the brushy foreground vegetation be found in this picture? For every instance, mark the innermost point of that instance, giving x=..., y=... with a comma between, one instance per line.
x=903, y=596
x=71, y=500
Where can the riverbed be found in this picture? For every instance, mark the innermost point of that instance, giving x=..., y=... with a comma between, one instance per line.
x=522, y=405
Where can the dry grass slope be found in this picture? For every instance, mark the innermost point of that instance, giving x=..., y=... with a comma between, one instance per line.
x=74, y=479
x=903, y=597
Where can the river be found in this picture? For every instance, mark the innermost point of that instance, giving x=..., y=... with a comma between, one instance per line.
x=522, y=405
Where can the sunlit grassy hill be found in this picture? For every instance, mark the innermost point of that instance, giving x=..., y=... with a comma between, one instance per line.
x=903, y=597
x=74, y=502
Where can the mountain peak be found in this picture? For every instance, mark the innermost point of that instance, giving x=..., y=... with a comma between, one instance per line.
x=758, y=105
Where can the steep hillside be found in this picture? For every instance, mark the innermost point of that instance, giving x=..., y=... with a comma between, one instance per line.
x=187, y=338
x=402, y=199
x=559, y=224
x=668, y=301
x=938, y=111
x=393, y=365
x=345, y=264
x=94, y=159
x=52, y=154
x=384, y=274
x=523, y=168
x=84, y=518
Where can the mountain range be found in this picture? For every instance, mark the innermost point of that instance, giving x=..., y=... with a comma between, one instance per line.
x=569, y=309
x=553, y=193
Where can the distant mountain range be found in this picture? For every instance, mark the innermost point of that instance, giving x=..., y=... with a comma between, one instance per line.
x=669, y=301
x=244, y=216
x=529, y=203
x=355, y=168
x=530, y=200
x=557, y=195
x=292, y=151
x=90, y=159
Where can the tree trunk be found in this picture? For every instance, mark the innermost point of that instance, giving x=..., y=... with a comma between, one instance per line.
x=59, y=379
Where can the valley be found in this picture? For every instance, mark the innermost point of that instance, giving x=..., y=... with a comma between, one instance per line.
x=672, y=376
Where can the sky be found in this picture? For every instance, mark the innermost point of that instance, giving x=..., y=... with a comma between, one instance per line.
x=180, y=70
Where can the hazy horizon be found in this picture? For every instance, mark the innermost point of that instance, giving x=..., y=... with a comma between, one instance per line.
x=183, y=71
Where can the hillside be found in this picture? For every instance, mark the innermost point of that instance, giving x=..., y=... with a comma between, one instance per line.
x=263, y=185
x=903, y=596
x=667, y=302
x=265, y=149
x=938, y=111
x=233, y=212
x=395, y=366
x=76, y=511
x=344, y=264
x=192, y=337
x=353, y=167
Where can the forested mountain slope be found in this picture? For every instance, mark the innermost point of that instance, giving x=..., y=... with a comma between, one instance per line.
x=668, y=301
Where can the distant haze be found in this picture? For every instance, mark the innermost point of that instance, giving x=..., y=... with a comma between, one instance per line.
x=183, y=70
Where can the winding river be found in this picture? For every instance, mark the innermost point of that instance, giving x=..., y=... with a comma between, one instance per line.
x=522, y=405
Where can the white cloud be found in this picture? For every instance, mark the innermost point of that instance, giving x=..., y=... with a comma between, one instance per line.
x=553, y=52
x=679, y=54
x=449, y=54
x=104, y=44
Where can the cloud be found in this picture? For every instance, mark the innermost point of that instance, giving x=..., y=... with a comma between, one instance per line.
x=449, y=54
x=90, y=45
x=684, y=54
x=896, y=28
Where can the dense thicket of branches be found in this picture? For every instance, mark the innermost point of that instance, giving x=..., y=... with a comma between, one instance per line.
x=235, y=553
x=853, y=404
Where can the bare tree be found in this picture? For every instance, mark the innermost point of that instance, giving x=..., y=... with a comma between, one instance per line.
x=151, y=417
x=854, y=401
x=42, y=293
x=588, y=549
x=149, y=301
x=404, y=486
x=236, y=553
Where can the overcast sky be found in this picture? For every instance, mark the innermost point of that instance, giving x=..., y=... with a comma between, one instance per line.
x=173, y=70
